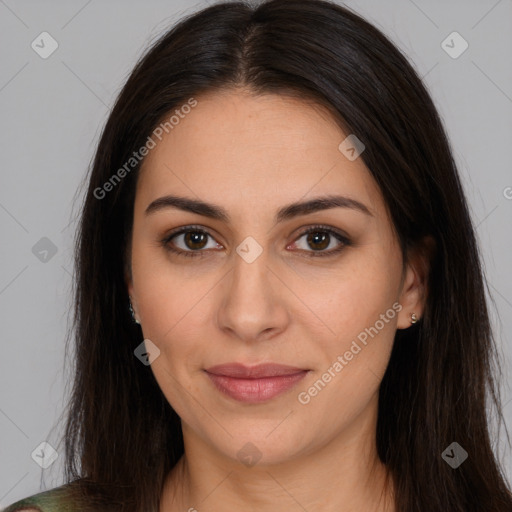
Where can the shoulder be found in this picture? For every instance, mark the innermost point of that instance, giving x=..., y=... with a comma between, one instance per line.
x=58, y=499
x=81, y=495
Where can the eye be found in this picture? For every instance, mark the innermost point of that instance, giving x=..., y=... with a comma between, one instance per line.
x=191, y=240
x=320, y=238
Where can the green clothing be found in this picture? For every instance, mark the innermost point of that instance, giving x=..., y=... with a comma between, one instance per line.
x=53, y=500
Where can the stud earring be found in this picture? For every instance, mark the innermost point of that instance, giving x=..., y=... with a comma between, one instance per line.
x=414, y=318
x=133, y=313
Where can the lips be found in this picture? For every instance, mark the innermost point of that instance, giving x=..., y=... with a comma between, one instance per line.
x=254, y=384
x=241, y=371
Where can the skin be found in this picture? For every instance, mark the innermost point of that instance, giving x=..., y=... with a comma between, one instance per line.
x=252, y=155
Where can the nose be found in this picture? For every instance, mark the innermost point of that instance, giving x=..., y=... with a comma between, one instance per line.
x=252, y=306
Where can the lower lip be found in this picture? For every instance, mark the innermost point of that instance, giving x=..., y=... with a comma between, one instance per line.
x=254, y=391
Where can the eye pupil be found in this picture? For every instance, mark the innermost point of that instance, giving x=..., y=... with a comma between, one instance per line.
x=318, y=237
x=195, y=237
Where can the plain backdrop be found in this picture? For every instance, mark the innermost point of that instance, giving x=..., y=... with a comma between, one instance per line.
x=52, y=112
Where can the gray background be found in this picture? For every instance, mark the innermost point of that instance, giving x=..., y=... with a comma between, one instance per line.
x=52, y=111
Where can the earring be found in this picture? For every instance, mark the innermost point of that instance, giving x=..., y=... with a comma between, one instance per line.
x=414, y=318
x=133, y=313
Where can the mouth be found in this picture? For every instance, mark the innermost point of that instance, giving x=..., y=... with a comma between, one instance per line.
x=254, y=384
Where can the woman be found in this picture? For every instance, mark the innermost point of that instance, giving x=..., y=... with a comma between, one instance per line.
x=279, y=298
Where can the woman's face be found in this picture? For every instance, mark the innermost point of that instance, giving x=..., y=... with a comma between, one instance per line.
x=255, y=289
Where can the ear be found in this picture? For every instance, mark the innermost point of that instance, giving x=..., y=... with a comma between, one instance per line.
x=414, y=290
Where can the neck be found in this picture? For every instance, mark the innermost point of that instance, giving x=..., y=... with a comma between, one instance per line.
x=344, y=475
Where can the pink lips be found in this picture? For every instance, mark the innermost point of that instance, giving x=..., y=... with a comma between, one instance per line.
x=256, y=383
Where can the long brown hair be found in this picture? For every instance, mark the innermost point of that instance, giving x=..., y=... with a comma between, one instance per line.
x=122, y=437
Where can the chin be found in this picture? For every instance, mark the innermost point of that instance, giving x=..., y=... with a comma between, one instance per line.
x=251, y=448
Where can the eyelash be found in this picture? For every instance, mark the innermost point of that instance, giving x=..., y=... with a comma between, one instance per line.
x=313, y=229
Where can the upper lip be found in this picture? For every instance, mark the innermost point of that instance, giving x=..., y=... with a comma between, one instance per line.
x=241, y=371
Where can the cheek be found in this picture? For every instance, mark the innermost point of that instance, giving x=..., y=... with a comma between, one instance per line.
x=173, y=312
x=171, y=303
x=352, y=359
x=359, y=309
x=352, y=296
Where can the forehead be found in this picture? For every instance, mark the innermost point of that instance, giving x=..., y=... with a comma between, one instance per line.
x=247, y=150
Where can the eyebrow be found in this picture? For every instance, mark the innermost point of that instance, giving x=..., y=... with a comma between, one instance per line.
x=287, y=212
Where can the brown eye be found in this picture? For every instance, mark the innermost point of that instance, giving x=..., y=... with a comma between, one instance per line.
x=189, y=242
x=195, y=239
x=318, y=239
